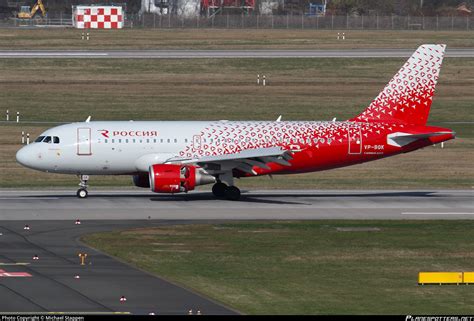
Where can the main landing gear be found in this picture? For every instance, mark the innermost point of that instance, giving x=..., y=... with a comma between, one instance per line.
x=221, y=190
x=82, y=191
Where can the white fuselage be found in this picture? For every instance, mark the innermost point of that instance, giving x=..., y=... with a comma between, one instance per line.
x=130, y=147
x=112, y=147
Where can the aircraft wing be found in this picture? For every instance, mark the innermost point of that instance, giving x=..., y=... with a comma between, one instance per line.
x=245, y=160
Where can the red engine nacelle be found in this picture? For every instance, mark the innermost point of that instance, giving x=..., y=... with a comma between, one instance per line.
x=172, y=178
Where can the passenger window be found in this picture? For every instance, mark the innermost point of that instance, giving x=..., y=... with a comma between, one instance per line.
x=147, y=140
x=175, y=140
x=126, y=141
x=169, y=140
x=39, y=139
x=47, y=139
x=56, y=140
x=106, y=141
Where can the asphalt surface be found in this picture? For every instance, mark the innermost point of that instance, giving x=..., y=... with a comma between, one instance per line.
x=342, y=53
x=201, y=205
x=102, y=281
x=54, y=237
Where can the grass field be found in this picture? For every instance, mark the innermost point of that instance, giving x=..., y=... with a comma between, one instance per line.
x=226, y=39
x=65, y=90
x=313, y=267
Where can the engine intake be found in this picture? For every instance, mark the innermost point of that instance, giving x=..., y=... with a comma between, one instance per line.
x=175, y=178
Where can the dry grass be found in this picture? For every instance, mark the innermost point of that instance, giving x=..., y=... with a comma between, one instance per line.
x=308, y=267
x=226, y=39
x=306, y=89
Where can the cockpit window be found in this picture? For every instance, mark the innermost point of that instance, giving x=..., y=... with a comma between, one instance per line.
x=48, y=139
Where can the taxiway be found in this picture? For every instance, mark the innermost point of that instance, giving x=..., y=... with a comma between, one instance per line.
x=58, y=283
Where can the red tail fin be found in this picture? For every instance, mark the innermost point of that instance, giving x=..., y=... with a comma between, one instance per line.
x=407, y=97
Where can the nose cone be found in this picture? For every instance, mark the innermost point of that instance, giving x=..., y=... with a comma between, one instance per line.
x=24, y=157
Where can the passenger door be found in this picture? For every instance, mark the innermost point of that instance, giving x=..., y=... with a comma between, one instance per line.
x=196, y=143
x=355, y=140
x=84, y=141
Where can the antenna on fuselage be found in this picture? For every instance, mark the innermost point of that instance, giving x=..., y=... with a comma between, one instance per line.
x=334, y=119
x=88, y=119
x=279, y=118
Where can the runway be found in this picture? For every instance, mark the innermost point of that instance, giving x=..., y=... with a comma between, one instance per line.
x=137, y=204
x=182, y=54
x=53, y=286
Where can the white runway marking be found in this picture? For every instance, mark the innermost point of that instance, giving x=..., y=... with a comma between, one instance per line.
x=265, y=53
x=435, y=213
x=29, y=198
x=53, y=54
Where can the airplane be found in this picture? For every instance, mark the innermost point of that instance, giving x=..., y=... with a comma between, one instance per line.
x=177, y=156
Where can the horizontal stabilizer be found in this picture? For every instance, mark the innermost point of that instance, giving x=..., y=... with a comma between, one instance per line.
x=403, y=139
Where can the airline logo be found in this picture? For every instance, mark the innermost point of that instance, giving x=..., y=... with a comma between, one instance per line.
x=129, y=133
x=104, y=133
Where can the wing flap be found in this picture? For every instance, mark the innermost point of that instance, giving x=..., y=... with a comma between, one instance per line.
x=248, y=153
x=245, y=160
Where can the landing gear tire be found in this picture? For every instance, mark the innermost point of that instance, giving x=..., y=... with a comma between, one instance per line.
x=219, y=189
x=232, y=193
x=82, y=193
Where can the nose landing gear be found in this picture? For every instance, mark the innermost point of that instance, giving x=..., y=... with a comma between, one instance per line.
x=82, y=191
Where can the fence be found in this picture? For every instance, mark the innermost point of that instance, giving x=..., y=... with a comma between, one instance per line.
x=304, y=22
x=279, y=22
